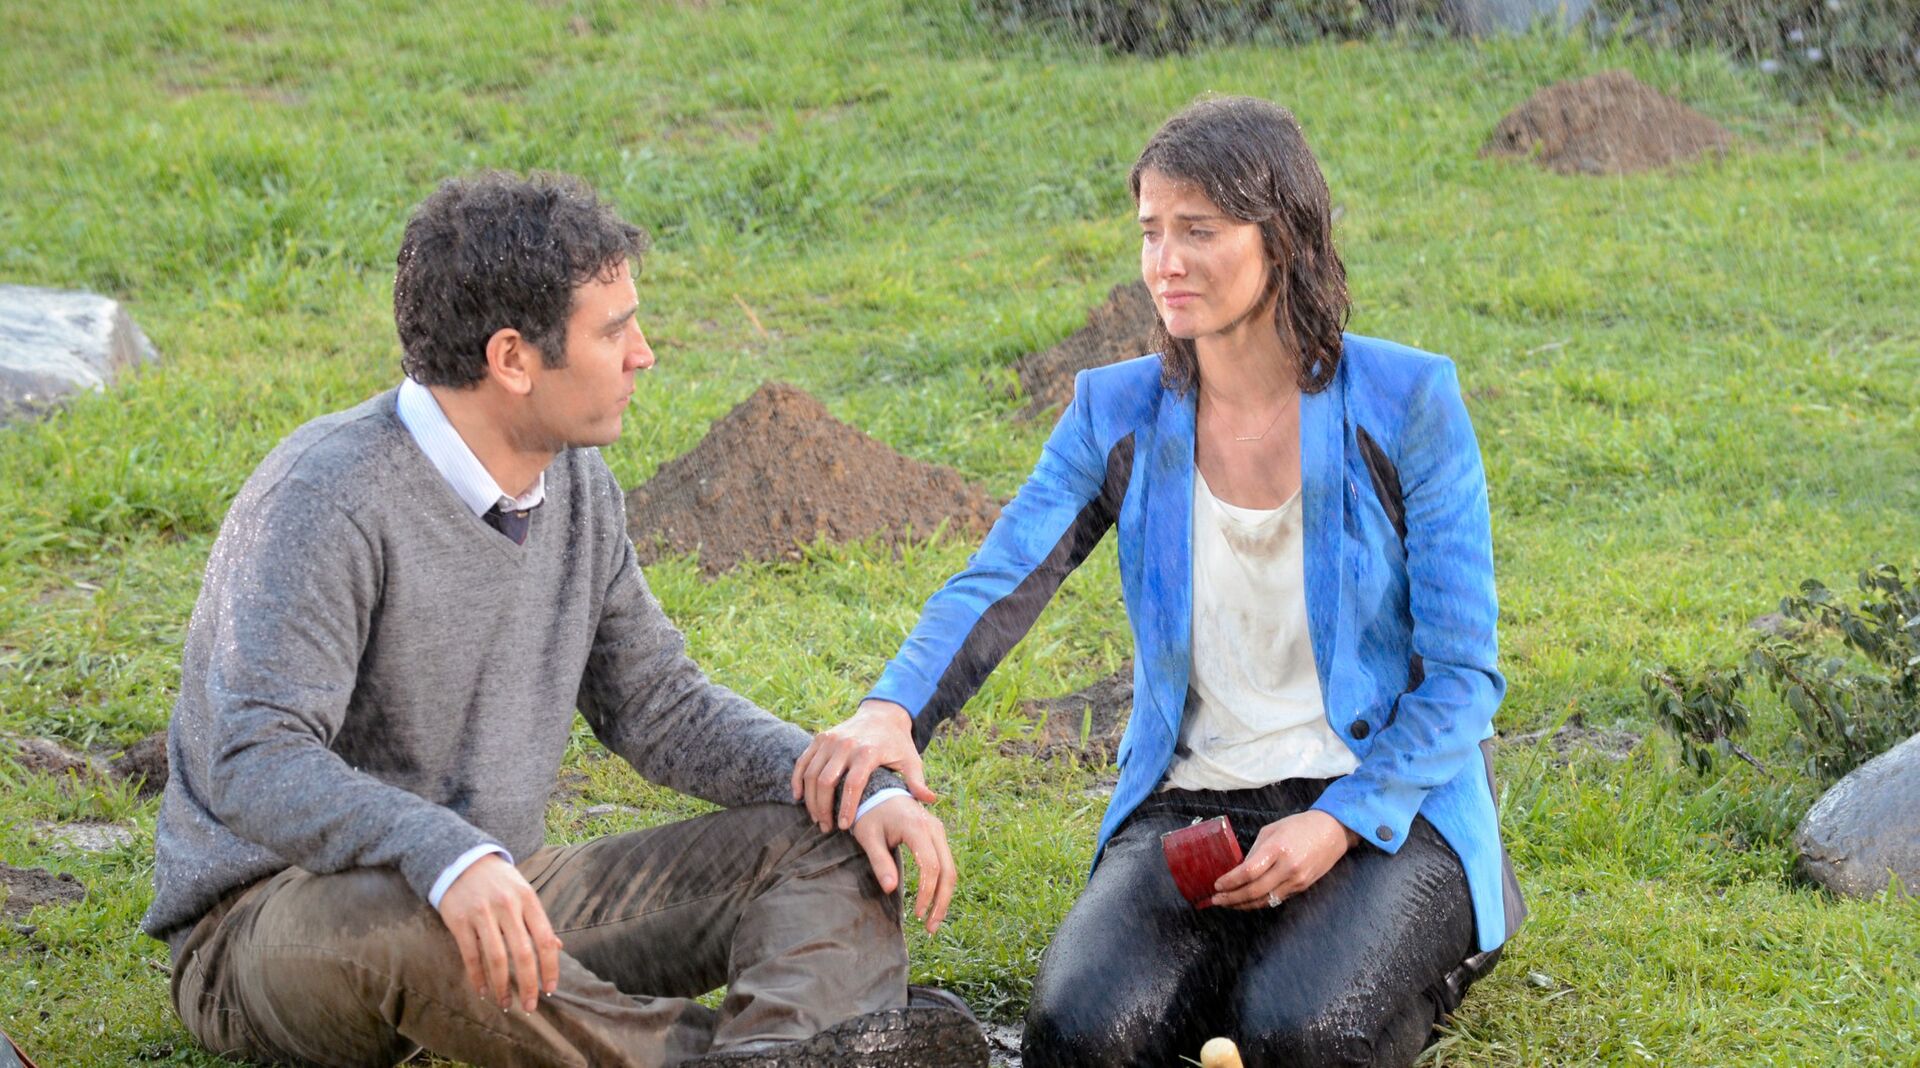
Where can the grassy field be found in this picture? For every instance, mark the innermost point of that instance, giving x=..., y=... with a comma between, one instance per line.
x=1692, y=390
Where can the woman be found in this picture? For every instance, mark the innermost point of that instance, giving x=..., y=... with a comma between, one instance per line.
x=1308, y=570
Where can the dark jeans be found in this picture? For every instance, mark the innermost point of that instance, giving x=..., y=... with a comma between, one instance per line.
x=1350, y=972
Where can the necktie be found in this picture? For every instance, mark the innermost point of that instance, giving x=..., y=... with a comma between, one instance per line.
x=512, y=524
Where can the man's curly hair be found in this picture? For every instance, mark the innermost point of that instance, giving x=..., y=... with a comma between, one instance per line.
x=493, y=251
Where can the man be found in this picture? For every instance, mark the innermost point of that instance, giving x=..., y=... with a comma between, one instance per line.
x=406, y=604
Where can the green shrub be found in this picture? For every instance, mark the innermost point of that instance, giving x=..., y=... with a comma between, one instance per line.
x=1850, y=675
x=1159, y=27
x=1848, y=45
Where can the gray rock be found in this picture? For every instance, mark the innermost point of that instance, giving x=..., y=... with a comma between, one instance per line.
x=86, y=836
x=1485, y=18
x=56, y=342
x=1867, y=827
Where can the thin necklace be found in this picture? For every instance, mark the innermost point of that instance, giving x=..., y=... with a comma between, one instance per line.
x=1275, y=422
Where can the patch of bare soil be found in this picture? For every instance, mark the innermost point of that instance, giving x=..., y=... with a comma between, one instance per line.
x=1609, y=123
x=1085, y=725
x=1574, y=737
x=778, y=472
x=26, y=889
x=1119, y=329
x=1003, y=1044
x=144, y=764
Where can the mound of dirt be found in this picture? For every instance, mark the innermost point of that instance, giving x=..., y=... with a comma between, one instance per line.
x=24, y=889
x=145, y=762
x=777, y=472
x=1610, y=123
x=46, y=756
x=1085, y=725
x=1119, y=329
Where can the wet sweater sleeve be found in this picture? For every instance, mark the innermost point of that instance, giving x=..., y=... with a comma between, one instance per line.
x=1437, y=727
x=297, y=582
x=971, y=622
x=648, y=701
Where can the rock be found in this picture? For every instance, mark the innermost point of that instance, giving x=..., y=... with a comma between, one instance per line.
x=594, y=812
x=55, y=342
x=1610, y=123
x=26, y=889
x=88, y=837
x=144, y=763
x=1867, y=827
x=1085, y=725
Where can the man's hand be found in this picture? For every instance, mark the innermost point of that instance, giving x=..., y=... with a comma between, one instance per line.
x=879, y=733
x=505, y=939
x=1290, y=855
x=900, y=820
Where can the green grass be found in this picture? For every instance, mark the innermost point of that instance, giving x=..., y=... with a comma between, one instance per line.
x=1692, y=390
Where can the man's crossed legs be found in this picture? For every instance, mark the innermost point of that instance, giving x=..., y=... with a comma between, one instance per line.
x=355, y=969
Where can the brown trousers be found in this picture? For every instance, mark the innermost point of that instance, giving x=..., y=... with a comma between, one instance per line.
x=355, y=969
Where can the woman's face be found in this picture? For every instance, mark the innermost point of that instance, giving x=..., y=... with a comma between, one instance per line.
x=1207, y=271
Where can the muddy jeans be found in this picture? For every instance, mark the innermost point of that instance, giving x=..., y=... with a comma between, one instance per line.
x=1351, y=971
x=355, y=969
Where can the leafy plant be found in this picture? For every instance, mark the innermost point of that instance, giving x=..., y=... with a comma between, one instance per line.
x=1160, y=27
x=1851, y=676
x=1703, y=710
x=1808, y=44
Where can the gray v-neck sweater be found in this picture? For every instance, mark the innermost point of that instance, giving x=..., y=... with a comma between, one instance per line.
x=373, y=676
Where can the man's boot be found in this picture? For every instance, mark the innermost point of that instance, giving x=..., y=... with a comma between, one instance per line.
x=921, y=1035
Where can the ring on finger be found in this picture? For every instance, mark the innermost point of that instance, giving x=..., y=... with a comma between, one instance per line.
x=1273, y=900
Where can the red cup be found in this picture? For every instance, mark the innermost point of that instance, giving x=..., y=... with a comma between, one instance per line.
x=1198, y=855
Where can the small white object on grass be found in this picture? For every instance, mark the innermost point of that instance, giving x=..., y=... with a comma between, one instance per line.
x=1220, y=1053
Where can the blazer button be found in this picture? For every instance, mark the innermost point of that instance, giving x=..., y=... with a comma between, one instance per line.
x=1359, y=729
x=1383, y=832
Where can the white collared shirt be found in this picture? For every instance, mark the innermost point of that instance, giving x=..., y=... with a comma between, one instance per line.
x=420, y=413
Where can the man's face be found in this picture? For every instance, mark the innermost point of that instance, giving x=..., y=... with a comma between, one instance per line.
x=582, y=403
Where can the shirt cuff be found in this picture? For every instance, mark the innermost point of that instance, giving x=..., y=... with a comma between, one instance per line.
x=459, y=867
x=873, y=802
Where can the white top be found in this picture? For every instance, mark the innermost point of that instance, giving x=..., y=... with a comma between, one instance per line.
x=1254, y=713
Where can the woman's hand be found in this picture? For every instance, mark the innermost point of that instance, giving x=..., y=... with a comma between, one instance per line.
x=1290, y=855
x=879, y=733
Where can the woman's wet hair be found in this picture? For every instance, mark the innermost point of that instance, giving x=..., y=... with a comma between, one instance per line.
x=1249, y=157
x=492, y=251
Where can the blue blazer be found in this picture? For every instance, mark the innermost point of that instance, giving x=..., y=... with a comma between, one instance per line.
x=1122, y=455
